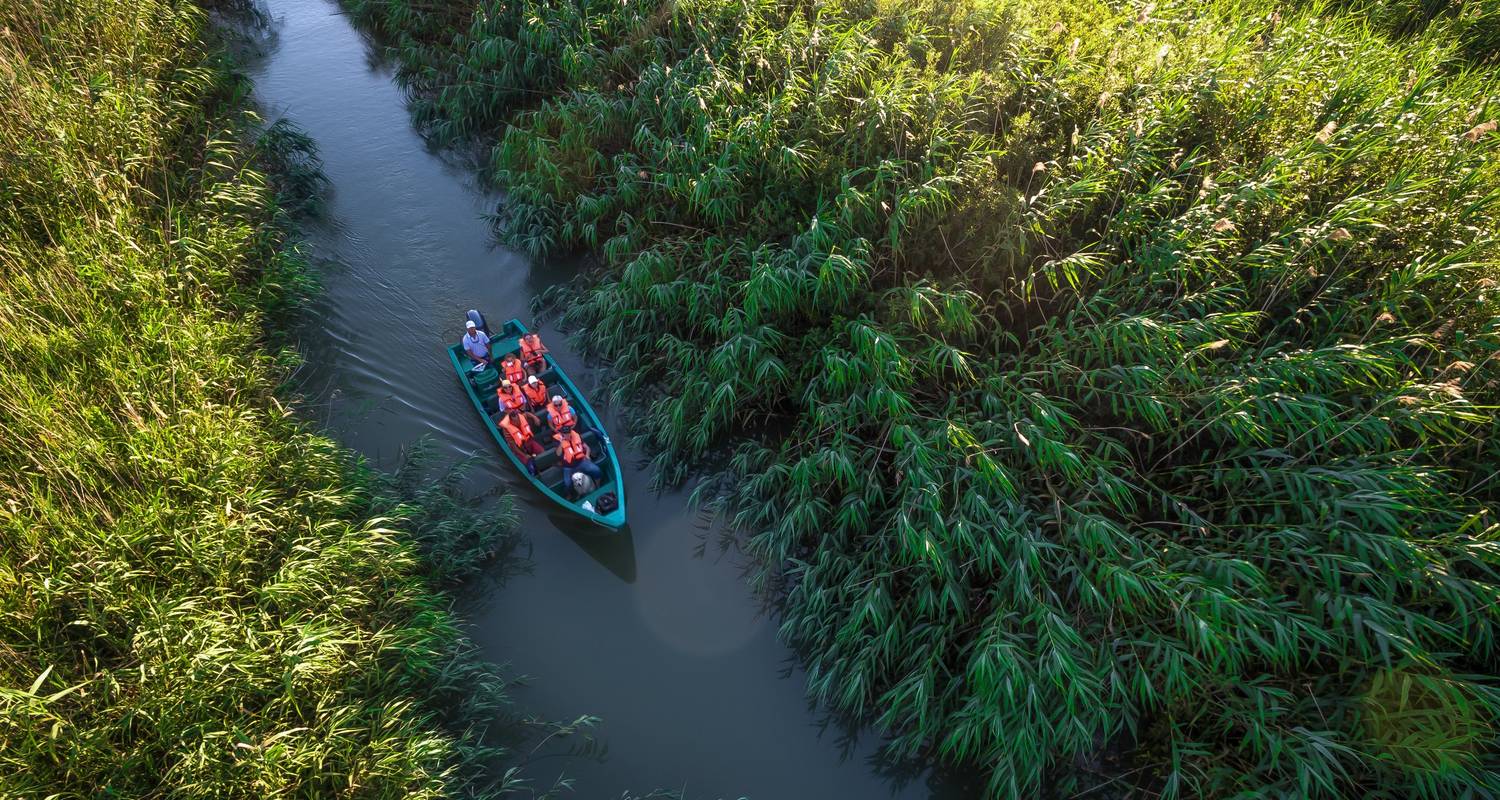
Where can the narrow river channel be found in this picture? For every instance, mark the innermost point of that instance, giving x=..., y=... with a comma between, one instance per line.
x=656, y=633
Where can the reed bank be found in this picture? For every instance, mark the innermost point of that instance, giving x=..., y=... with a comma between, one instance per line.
x=198, y=596
x=1110, y=387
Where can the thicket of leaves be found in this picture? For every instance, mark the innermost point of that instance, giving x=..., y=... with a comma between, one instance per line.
x=198, y=596
x=1131, y=367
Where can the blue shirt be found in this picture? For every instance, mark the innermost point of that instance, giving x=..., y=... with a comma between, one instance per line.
x=477, y=344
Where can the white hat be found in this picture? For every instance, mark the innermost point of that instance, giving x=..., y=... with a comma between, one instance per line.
x=471, y=324
x=557, y=398
x=532, y=380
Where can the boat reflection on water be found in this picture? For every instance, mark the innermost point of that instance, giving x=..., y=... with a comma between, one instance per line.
x=613, y=550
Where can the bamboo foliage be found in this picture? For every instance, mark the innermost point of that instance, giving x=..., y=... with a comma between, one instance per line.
x=1101, y=380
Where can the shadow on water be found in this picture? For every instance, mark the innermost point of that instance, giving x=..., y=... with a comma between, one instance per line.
x=653, y=630
x=613, y=550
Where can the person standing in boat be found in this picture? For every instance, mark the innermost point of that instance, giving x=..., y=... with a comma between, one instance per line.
x=533, y=353
x=511, y=369
x=518, y=431
x=573, y=453
x=476, y=343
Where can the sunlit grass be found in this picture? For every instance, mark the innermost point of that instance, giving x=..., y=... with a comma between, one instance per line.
x=1118, y=378
x=195, y=599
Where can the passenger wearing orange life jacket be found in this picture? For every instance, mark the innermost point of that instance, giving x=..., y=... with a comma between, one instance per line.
x=511, y=368
x=532, y=352
x=573, y=454
x=510, y=396
x=536, y=393
x=560, y=415
x=518, y=431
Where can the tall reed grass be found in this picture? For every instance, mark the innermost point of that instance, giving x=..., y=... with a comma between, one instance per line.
x=1110, y=386
x=198, y=598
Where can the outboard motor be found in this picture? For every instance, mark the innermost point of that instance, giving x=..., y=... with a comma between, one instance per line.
x=478, y=320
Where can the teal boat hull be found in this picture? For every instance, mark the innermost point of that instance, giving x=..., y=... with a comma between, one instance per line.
x=480, y=387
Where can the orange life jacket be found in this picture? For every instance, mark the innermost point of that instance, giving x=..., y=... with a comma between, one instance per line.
x=536, y=394
x=532, y=348
x=512, y=400
x=514, y=372
x=571, y=449
x=562, y=415
x=518, y=434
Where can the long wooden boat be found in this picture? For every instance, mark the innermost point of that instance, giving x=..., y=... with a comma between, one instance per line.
x=548, y=479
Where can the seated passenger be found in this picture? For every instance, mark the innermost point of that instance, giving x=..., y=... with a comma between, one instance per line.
x=560, y=415
x=573, y=454
x=533, y=352
x=476, y=344
x=510, y=397
x=536, y=394
x=511, y=368
x=518, y=433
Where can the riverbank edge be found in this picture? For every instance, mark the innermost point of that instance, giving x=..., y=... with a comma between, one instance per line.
x=198, y=593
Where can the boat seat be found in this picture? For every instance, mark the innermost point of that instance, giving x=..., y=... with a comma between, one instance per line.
x=548, y=460
x=552, y=478
x=485, y=380
x=555, y=483
x=488, y=381
x=550, y=472
x=605, y=487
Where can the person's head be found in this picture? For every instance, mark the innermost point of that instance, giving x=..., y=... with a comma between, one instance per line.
x=513, y=415
x=532, y=381
x=470, y=327
x=557, y=400
x=567, y=430
x=504, y=385
x=579, y=480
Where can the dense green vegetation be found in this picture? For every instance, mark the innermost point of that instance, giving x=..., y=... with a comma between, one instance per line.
x=1111, y=386
x=198, y=598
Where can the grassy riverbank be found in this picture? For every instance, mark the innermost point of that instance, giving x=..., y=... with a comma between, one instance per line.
x=1131, y=365
x=195, y=596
